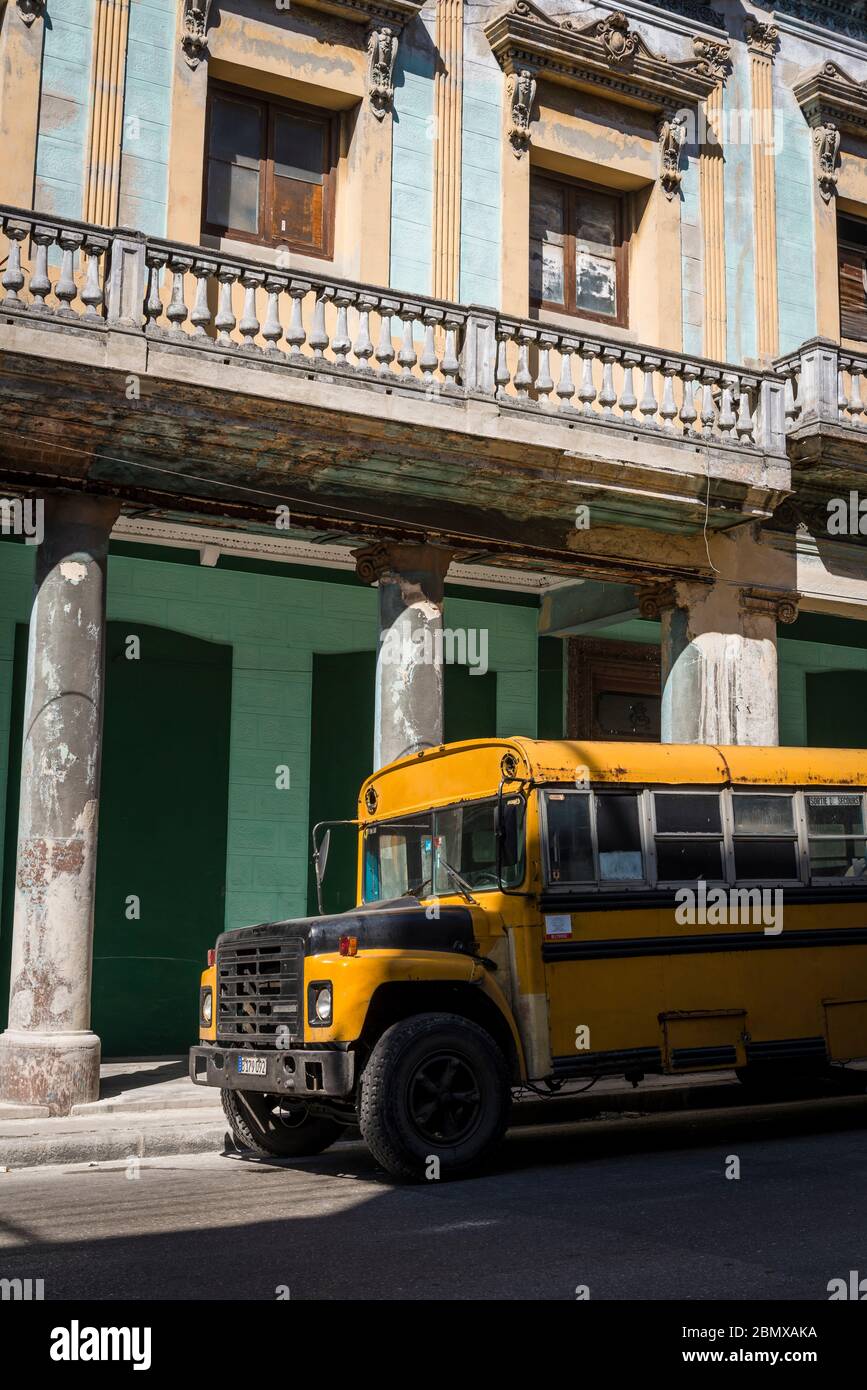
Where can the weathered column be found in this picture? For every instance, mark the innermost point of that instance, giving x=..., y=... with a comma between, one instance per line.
x=48, y=1054
x=719, y=660
x=409, y=660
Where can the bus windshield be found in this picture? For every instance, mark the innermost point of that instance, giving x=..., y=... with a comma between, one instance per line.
x=413, y=856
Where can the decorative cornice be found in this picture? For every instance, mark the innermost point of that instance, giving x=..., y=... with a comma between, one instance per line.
x=380, y=15
x=828, y=96
x=840, y=16
x=762, y=39
x=603, y=56
x=690, y=9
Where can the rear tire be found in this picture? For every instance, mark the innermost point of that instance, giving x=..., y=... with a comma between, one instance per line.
x=436, y=1087
x=270, y=1125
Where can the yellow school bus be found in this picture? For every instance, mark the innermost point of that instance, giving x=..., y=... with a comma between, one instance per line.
x=533, y=913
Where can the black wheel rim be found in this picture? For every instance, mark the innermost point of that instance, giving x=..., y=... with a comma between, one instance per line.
x=444, y=1098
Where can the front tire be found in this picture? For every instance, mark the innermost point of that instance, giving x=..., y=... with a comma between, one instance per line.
x=436, y=1087
x=268, y=1125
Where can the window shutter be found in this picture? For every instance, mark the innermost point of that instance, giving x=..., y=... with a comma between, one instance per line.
x=853, y=293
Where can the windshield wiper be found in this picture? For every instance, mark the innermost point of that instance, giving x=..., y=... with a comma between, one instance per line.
x=463, y=886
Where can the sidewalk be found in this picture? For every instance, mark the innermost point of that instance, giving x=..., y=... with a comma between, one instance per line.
x=151, y=1109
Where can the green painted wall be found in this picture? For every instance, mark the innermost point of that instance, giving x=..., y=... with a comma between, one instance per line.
x=274, y=623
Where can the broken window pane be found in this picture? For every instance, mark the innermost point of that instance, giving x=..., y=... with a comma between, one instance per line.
x=596, y=224
x=546, y=271
x=595, y=284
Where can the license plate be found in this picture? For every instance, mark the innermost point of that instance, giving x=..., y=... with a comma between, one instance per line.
x=252, y=1066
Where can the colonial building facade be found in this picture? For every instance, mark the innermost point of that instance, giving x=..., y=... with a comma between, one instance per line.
x=376, y=373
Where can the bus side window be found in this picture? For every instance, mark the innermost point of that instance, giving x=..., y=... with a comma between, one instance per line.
x=689, y=836
x=835, y=826
x=618, y=832
x=765, y=838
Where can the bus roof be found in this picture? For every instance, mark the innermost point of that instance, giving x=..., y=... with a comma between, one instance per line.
x=468, y=770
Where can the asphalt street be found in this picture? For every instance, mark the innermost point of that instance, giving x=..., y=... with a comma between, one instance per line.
x=632, y=1208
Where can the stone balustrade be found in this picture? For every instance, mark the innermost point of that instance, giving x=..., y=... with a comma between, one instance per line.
x=823, y=384
x=201, y=299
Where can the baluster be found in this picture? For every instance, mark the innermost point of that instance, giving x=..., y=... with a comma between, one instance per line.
x=587, y=394
x=745, y=413
x=429, y=360
x=668, y=409
x=791, y=408
x=319, y=337
x=856, y=404
x=628, y=398
x=648, y=404
x=544, y=383
x=341, y=343
x=295, y=335
x=13, y=277
x=708, y=411
x=688, y=413
x=450, y=365
x=248, y=325
x=65, y=289
x=407, y=357
x=502, y=375
x=842, y=394
x=565, y=386
x=608, y=395
x=225, y=320
x=153, y=306
x=91, y=294
x=272, y=328
x=727, y=417
x=523, y=375
x=201, y=313
x=40, y=284
x=385, y=348
x=363, y=347
x=177, y=311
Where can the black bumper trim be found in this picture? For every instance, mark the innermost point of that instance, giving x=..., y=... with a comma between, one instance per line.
x=299, y=1072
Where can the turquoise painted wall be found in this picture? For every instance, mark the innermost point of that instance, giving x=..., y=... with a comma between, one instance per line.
x=63, y=110
x=692, y=254
x=147, y=116
x=740, y=234
x=274, y=625
x=796, y=281
x=412, y=167
x=481, y=156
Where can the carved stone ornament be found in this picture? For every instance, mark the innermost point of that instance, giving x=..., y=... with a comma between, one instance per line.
x=522, y=94
x=194, y=30
x=715, y=56
x=614, y=34
x=776, y=603
x=826, y=140
x=761, y=38
x=653, y=599
x=672, y=134
x=382, y=53
x=30, y=10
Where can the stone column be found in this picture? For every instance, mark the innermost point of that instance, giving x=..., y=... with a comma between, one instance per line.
x=409, y=661
x=719, y=660
x=48, y=1056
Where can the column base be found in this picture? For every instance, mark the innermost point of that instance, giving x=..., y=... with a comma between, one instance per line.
x=53, y=1071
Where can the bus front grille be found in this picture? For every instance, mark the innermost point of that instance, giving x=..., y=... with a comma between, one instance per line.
x=259, y=989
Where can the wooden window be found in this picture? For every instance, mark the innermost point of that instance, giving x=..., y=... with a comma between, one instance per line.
x=269, y=172
x=577, y=249
x=852, y=262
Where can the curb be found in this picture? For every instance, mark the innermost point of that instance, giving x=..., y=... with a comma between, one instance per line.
x=154, y=1140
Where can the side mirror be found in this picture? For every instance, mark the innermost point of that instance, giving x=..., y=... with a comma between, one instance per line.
x=510, y=815
x=323, y=853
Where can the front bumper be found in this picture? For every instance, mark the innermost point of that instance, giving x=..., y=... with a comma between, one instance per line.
x=297, y=1072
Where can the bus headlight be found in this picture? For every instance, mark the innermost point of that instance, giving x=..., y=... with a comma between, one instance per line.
x=322, y=1003
x=207, y=1009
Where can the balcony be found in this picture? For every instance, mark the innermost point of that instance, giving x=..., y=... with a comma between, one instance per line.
x=184, y=380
